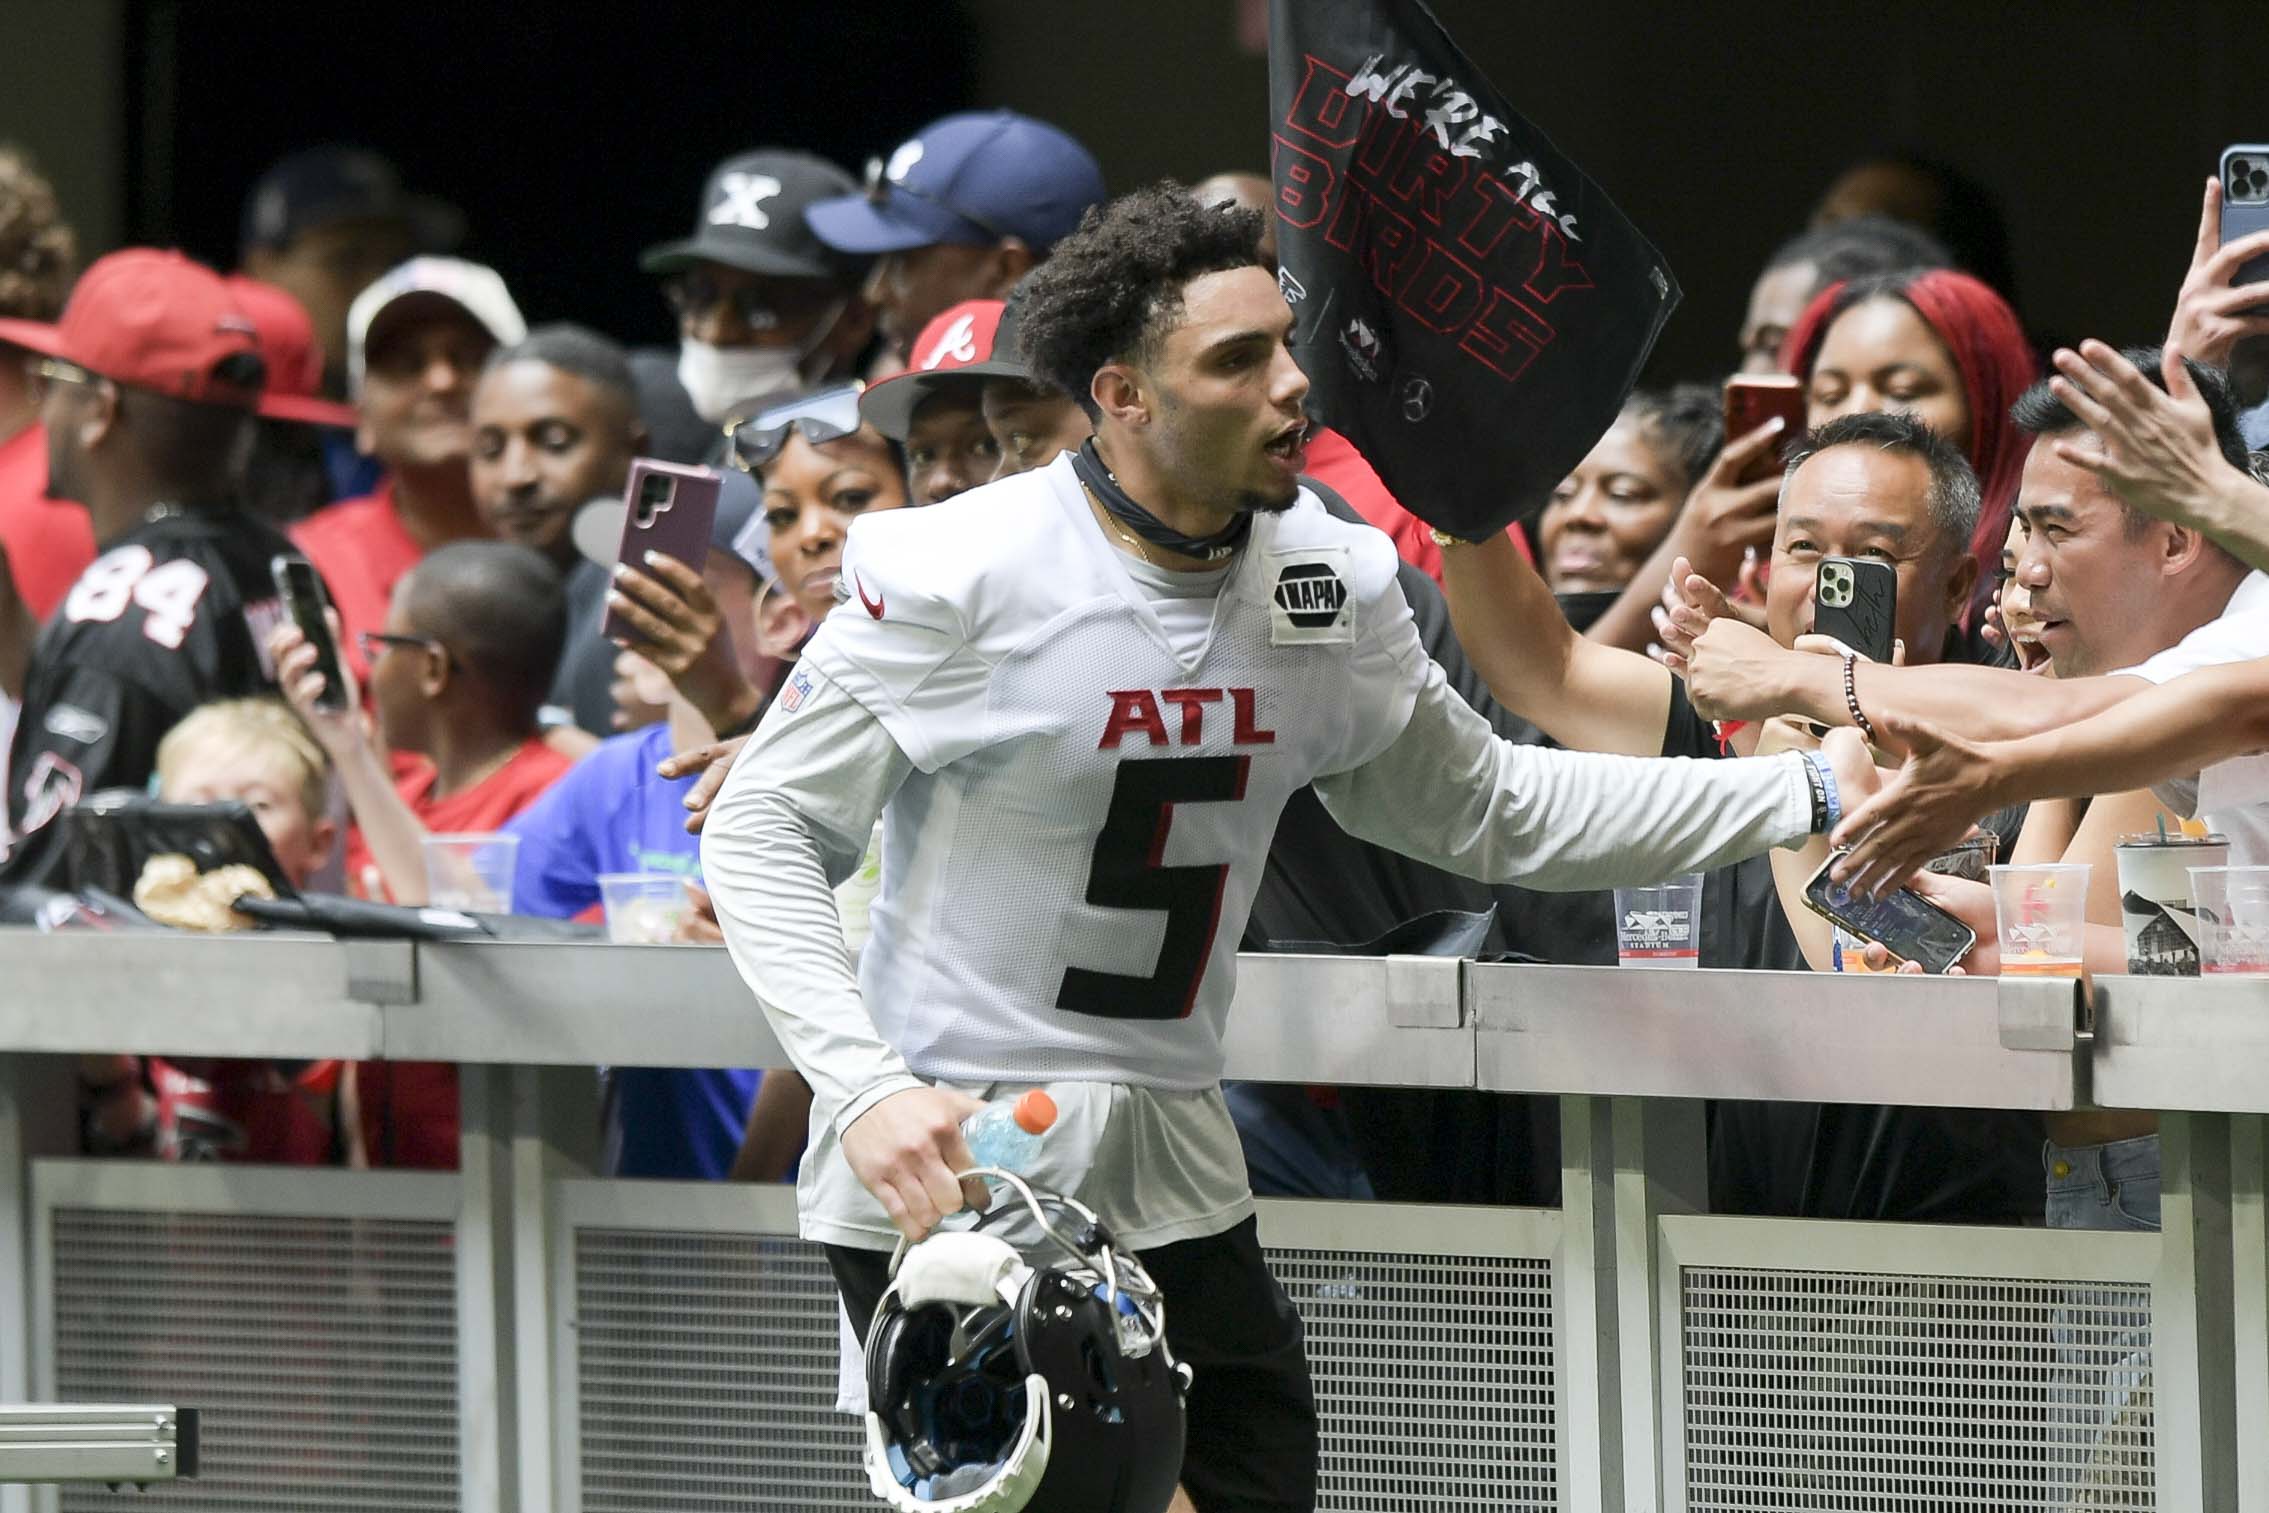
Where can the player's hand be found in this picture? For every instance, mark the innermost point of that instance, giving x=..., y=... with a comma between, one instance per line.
x=2154, y=450
x=714, y=762
x=294, y=656
x=2212, y=314
x=1930, y=806
x=906, y=1149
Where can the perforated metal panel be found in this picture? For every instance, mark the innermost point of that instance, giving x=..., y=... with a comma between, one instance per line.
x=706, y=1367
x=1822, y=1390
x=323, y=1352
x=1434, y=1377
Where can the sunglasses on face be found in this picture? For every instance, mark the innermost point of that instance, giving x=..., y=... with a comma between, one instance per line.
x=374, y=644
x=829, y=415
x=762, y=308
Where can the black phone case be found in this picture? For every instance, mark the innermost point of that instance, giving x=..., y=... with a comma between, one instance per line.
x=304, y=600
x=109, y=839
x=1856, y=600
x=1904, y=923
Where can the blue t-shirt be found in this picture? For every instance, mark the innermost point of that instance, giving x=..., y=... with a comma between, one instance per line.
x=612, y=813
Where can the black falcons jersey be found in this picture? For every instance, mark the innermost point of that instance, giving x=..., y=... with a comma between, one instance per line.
x=176, y=613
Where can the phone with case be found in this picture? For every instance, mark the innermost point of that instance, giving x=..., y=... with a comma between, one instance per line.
x=669, y=508
x=1751, y=399
x=1856, y=600
x=2245, y=203
x=1903, y=922
x=301, y=589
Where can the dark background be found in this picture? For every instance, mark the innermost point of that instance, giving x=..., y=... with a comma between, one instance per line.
x=574, y=134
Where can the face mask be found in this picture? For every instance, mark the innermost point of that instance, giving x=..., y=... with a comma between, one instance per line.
x=722, y=380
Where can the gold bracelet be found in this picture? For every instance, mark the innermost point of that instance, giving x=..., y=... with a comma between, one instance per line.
x=1444, y=538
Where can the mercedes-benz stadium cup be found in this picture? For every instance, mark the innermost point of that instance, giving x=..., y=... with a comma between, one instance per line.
x=2043, y=916
x=2155, y=905
x=1661, y=925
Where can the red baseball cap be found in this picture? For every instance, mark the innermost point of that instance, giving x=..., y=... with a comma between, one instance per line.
x=956, y=339
x=295, y=361
x=157, y=321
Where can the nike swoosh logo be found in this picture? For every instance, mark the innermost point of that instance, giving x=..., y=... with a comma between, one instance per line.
x=874, y=605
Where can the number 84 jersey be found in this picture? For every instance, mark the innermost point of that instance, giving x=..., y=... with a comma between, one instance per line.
x=1068, y=867
x=174, y=613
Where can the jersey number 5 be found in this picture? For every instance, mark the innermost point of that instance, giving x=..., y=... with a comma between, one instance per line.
x=1128, y=873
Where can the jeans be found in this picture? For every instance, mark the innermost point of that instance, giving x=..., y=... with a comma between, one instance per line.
x=2101, y=1404
x=2113, y=1186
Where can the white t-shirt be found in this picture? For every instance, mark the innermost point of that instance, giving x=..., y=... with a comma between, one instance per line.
x=2231, y=796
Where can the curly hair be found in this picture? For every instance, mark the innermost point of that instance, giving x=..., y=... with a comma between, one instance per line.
x=38, y=250
x=1112, y=290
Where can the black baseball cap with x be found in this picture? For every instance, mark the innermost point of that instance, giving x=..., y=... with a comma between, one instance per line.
x=752, y=218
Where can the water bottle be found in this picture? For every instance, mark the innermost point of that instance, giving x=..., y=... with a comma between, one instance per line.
x=1006, y=1133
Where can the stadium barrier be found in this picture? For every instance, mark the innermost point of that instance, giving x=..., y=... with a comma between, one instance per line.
x=525, y=1334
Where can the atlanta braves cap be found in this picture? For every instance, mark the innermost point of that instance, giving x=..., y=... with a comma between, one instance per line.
x=325, y=185
x=972, y=178
x=752, y=218
x=294, y=359
x=157, y=321
x=428, y=285
x=955, y=347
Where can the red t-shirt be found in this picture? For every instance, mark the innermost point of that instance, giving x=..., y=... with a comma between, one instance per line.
x=49, y=541
x=230, y=1110
x=361, y=548
x=1333, y=460
x=409, y=1108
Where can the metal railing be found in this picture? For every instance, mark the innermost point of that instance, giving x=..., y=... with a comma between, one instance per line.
x=634, y=1345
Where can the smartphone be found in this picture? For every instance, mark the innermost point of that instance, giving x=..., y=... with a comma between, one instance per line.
x=1751, y=399
x=1856, y=600
x=2245, y=202
x=668, y=508
x=1904, y=923
x=301, y=589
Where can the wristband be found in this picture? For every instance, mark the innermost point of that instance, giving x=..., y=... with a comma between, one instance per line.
x=1827, y=794
x=1851, y=699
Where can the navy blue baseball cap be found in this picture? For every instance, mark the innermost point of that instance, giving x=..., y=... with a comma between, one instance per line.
x=323, y=185
x=973, y=178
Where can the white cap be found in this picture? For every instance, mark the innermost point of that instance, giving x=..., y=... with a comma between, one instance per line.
x=471, y=287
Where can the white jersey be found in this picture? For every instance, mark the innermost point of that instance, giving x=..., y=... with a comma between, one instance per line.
x=1089, y=810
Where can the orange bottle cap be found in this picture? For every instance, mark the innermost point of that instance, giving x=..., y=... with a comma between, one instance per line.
x=1035, y=1112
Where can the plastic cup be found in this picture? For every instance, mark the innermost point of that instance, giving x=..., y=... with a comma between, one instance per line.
x=2043, y=916
x=2233, y=919
x=643, y=908
x=1660, y=926
x=471, y=872
x=2155, y=908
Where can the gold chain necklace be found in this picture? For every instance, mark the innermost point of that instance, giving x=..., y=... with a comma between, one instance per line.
x=1111, y=524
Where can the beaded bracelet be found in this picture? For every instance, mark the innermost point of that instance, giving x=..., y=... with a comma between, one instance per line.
x=1851, y=699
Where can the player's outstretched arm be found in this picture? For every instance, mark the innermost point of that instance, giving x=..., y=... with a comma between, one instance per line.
x=1447, y=791
x=1584, y=695
x=793, y=817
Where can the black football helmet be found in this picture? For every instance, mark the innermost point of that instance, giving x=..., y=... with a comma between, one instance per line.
x=995, y=1384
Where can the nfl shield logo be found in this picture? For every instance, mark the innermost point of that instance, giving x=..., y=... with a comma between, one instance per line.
x=799, y=688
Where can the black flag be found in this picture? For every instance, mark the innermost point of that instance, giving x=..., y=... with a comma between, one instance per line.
x=1470, y=308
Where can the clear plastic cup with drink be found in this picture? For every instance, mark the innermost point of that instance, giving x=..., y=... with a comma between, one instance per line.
x=643, y=908
x=471, y=872
x=2042, y=913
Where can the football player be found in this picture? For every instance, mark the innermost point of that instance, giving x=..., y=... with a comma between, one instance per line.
x=1078, y=699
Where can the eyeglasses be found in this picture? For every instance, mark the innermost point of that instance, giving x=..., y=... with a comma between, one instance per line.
x=765, y=307
x=881, y=188
x=374, y=643
x=829, y=415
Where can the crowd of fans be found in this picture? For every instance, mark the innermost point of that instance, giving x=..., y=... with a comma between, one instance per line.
x=359, y=394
